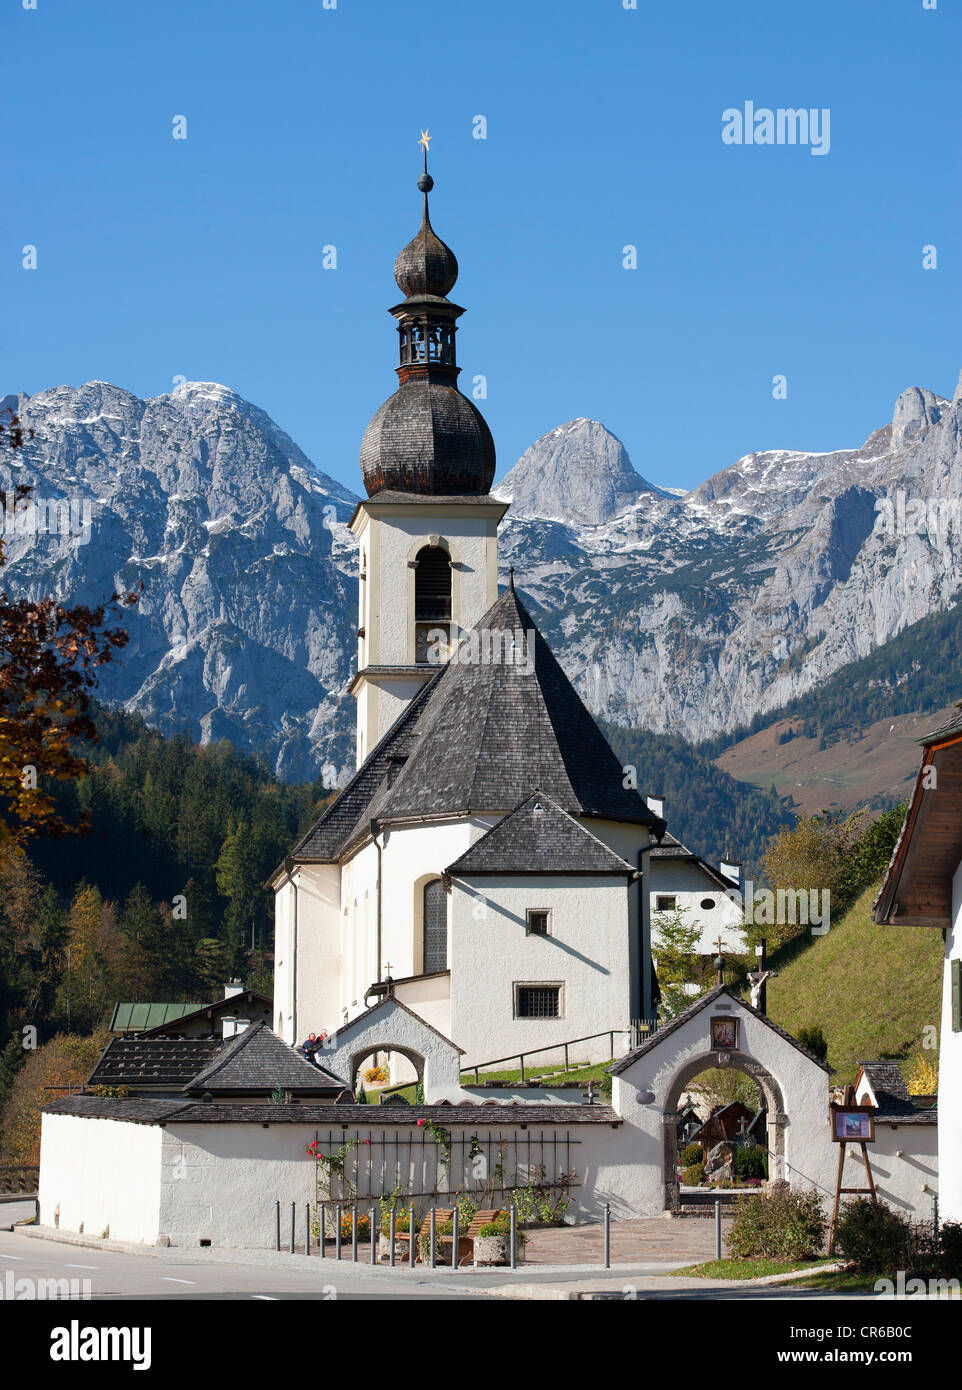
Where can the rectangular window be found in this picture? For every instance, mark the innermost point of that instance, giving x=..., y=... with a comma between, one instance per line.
x=539, y=919
x=537, y=1001
x=956, y=968
x=665, y=902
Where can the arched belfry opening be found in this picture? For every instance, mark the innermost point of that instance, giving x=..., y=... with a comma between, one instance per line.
x=432, y=600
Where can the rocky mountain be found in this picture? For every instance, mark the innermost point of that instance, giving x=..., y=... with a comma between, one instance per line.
x=578, y=472
x=688, y=613
x=246, y=626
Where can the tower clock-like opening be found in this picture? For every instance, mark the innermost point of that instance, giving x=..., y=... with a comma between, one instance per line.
x=432, y=603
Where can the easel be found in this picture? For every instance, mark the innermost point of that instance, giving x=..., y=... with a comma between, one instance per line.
x=848, y=1106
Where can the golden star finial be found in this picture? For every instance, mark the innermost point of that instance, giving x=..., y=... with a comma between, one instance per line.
x=424, y=141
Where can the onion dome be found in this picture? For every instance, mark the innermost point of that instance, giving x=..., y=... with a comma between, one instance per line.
x=426, y=266
x=427, y=438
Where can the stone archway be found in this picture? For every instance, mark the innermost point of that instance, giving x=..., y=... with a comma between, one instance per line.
x=774, y=1102
x=415, y=1058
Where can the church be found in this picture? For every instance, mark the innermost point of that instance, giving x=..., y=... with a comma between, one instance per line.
x=489, y=863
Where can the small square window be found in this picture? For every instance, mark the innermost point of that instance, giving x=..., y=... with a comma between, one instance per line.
x=539, y=921
x=538, y=1001
x=665, y=902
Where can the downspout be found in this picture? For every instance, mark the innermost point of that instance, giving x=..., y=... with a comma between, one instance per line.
x=375, y=831
x=644, y=880
x=289, y=869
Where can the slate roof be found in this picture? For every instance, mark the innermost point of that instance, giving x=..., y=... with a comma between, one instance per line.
x=484, y=736
x=892, y=1093
x=258, y=1060
x=658, y=1037
x=538, y=837
x=169, y=1062
x=157, y=1112
x=953, y=725
x=673, y=849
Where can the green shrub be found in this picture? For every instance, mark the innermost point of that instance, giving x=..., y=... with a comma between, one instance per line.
x=693, y=1153
x=782, y=1224
x=750, y=1163
x=693, y=1175
x=950, y=1259
x=873, y=1236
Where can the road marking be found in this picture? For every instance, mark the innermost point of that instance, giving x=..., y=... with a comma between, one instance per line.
x=169, y=1279
x=265, y=1297
x=81, y=1266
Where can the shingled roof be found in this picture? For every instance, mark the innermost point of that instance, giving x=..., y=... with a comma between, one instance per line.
x=671, y=849
x=538, y=837
x=484, y=735
x=891, y=1093
x=256, y=1061
x=143, y=1062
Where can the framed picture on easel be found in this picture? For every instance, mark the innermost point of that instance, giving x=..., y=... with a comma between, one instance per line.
x=853, y=1124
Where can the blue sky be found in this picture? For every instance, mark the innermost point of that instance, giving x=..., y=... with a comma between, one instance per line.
x=202, y=258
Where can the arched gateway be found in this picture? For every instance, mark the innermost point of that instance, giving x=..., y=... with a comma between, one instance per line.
x=722, y=1030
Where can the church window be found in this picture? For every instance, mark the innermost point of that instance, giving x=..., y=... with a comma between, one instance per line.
x=708, y=903
x=432, y=600
x=538, y=920
x=666, y=902
x=537, y=1001
x=435, y=927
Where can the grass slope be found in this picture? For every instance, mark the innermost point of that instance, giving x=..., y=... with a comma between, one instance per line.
x=872, y=989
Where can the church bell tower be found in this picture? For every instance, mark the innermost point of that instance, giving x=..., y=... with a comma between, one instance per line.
x=427, y=532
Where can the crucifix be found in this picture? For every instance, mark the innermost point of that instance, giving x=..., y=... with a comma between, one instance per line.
x=719, y=961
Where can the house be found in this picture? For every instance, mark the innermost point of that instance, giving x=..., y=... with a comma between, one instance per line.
x=923, y=888
x=252, y=1065
x=731, y=1121
x=681, y=880
x=238, y=1008
x=905, y=1153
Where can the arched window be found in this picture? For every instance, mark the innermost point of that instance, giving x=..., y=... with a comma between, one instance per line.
x=432, y=598
x=435, y=927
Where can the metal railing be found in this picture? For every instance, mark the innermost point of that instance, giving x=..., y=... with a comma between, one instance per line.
x=639, y=1030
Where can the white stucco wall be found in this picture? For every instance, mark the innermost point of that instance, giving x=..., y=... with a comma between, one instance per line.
x=100, y=1177
x=586, y=952
x=690, y=885
x=640, y=1094
x=905, y=1167
x=950, y=1073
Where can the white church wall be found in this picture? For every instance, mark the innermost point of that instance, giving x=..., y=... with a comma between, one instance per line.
x=950, y=1071
x=586, y=953
x=691, y=886
x=100, y=1177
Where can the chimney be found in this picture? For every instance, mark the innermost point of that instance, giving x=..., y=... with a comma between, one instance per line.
x=731, y=869
x=231, y=1026
x=233, y=987
x=656, y=804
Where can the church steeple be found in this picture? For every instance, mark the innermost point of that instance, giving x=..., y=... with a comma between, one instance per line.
x=427, y=438
x=428, y=529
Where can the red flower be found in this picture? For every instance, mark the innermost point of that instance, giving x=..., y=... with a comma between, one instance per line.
x=421, y=1122
x=367, y=1141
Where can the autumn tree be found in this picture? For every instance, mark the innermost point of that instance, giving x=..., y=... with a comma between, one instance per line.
x=49, y=657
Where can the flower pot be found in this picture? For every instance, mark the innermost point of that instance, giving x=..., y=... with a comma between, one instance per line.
x=492, y=1250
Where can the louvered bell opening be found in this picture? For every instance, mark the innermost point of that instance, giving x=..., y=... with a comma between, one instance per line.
x=432, y=585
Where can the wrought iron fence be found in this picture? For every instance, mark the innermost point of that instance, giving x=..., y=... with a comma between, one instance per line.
x=429, y=1161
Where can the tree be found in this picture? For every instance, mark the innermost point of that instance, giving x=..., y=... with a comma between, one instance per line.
x=814, y=1039
x=674, y=945
x=61, y=1065
x=721, y=1085
x=49, y=656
